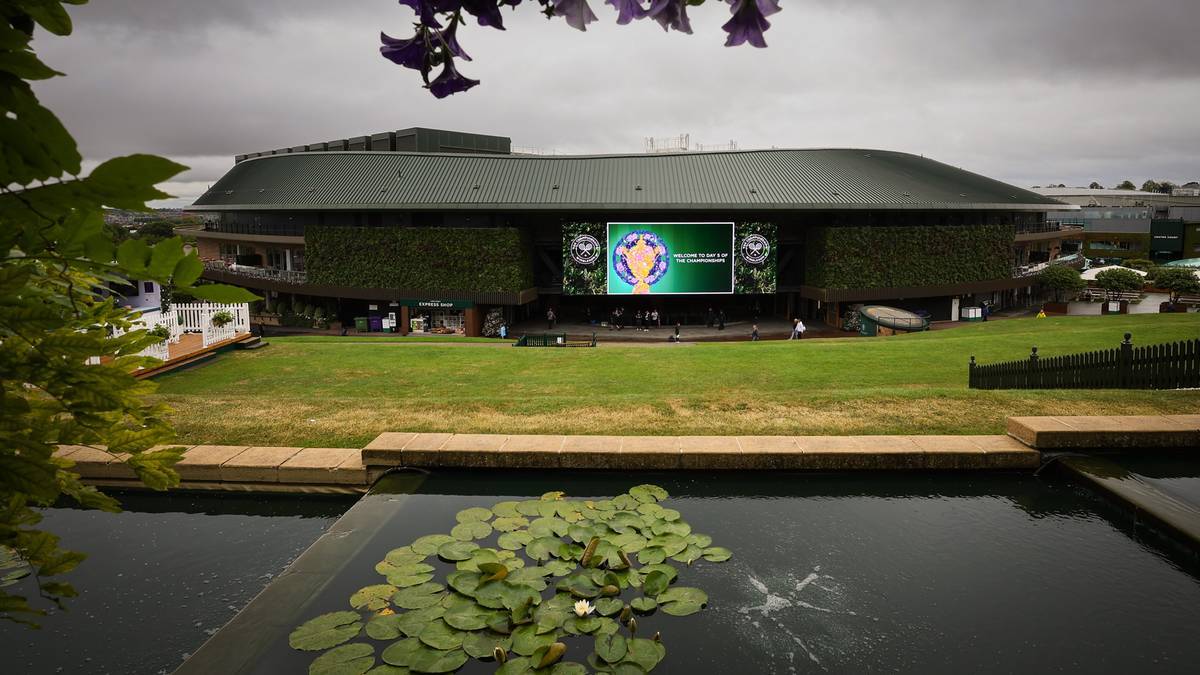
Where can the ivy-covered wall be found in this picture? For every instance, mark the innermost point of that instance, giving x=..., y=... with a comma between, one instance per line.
x=419, y=258
x=886, y=257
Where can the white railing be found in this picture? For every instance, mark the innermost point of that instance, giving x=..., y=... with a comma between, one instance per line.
x=271, y=273
x=159, y=350
x=213, y=333
x=193, y=317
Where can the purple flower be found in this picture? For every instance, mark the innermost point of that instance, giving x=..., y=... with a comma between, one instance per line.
x=487, y=12
x=627, y=10
x=670, y=14
x=449, y=39
x=411, y=53
x=749, y=22
x=427, y=11
x=450, y=81
x=577, y=13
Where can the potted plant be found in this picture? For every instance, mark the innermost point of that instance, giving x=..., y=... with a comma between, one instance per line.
x=160, y=331
x=1062, y=280
x=1177, y=281
x=1115, y=282
x=221, y=318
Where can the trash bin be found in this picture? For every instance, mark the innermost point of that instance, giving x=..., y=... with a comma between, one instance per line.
x=361, y=324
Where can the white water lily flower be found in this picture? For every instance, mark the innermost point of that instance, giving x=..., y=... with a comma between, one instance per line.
x=583, y=608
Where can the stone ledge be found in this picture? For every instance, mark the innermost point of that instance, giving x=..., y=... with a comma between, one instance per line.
x=1106, y=432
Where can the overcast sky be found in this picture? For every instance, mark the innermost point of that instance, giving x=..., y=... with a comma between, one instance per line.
x=1026, y=91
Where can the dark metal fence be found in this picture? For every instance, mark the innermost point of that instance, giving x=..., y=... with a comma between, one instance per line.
x=555, y=340
x=1170, y=365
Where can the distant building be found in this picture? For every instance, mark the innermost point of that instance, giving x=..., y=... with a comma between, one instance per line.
x=1130, y=224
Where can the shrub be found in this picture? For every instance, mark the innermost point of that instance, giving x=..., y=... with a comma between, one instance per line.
x=1061, y=279
x=1177, y=281
x=221, y=318
x=1140, y=264
x=1116, y=281
x=160, y=331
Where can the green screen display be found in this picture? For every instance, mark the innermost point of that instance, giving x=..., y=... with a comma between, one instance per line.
x=668, y=258
x=665, y=258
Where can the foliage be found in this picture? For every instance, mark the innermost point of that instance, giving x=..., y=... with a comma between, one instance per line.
x=580, y=278
x=887, y=257
x=221, y=318
x=1139, y=264
x=533, y=578
x=434, y=45
x=756, y=278
x=1095, y=186
x=57, y=254
x=160, y=331
x=1116, y=281
x=1125, y=185
x=419, y=258
x=1061, y=279
x=155, y=230
x=1178, y=281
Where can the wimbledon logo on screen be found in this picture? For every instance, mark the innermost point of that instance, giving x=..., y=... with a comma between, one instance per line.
x=585, y=250
x=755, y=249
x=640, y=260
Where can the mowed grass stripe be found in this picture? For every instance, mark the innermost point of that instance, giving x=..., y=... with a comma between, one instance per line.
x=301, y=391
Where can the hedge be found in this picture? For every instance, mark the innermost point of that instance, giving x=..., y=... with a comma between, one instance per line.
x=419, y=258
x=889, y=257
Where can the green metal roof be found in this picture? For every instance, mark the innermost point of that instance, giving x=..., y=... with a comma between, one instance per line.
x=755, y=179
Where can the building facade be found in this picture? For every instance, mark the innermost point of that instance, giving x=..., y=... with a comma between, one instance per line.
x=1131, y=224
x=434, y=239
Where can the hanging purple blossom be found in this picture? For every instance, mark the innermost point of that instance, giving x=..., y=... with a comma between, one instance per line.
x=426, y=10
x=576, y=12
x=627, y=10
x=449, y=38
x=450, y=81
x=487, y=12
x=411, y=53
x=670, y=14
x=749, y=22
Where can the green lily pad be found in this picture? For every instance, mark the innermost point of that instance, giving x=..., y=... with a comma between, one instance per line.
x=478, y=557
x=385, y=669
x=420, y=596
x=671, y=527
x=510, y=524
x=354, y=659
x=671, y=572
x=649, y=509
x=582, y=625
x=625, y=503
x=543, y=548
x=456, y=550
x=401, y=653
x=473, y=514
x=682, y=600
x=648, y=493
x=579, y=585
x=512, y=541
x=549, y=527
x=608, y=606
x=464, y=581
x=547, y=656
x=643, y=605
x=482, y=644
x=670, y=543
x=384, y=627
x=428, y=545
x=655, y=583
x=645, y=653
x=669, y=514
x=471, y=530
x=529, y=507
x=439, y=635
x=559, y=567
x=472, y=618
x=399, y=557
x=628, y=668
x=518, y=666
x=413, y=622
x=717, y=554
x=568, y=668
x=373, y=598
x=611, y=648
x=688, y=555
x=651, y=555
x=403, y=577
x=325, y=631
x=429, y=660
x=506, y=509
x=526, y=640
x=699, y=540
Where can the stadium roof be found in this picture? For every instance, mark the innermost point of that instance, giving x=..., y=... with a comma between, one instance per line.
x=745, y=180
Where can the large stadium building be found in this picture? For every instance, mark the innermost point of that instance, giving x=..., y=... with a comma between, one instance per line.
x=430, y=228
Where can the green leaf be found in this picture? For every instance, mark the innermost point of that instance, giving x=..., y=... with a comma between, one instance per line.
x=128, y=182
x=611, y=648
x=164, y=256
x=25, y=65
x=463, y=618
x=428, y=545
x=526, y=640
x=473, y=514
x=133, y=255
x=513, y=541
x=655, y=583
x=222, y=294
x=548, y=655
x=29, y=475
x=429, y=660
x=155, y=469
x=373, y=598
x=384, y=627
x=717, y=554
x=50, y=15
x=608, y=606
x=509, y=524
x=457, y=550
x=643, y=605
x=354, y=659
x=682, y=600
x=439, y=635
x=325, y=631
x=418, y=597
x=518, y=666
x=401, y=653
x=645, y=653
x=471, y=530
x=411, y=623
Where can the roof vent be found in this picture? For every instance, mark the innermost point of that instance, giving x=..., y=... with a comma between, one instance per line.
x=905, y=194
x=475, y=186
x=638, y=188
x=229, y=192
x=753, y=191
x=261, y=190
x=399, y=173
x=962, y=194
x=836, y=194
x=383, y=189
x=312, y=190
x=555, y=187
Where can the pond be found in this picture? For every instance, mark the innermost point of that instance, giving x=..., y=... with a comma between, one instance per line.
x=161, y=577
x=830, y=573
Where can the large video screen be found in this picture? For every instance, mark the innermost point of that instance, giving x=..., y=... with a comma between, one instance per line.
x=684, y=258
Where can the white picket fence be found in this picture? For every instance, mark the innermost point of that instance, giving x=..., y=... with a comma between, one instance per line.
x=196, y=317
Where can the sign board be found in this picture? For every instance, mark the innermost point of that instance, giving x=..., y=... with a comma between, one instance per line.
x=430, y=303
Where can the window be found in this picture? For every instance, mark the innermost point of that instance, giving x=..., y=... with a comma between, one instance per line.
x=147, y=286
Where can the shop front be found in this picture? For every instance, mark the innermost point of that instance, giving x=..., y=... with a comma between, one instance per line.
x=431, y=316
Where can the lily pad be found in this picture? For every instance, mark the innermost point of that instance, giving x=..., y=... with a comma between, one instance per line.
x=543, y=548
x=611, y=648
x=429, y=660
x=688, y=555
x=354, y=659
x=651, y=555
x=582, y=625
x=463, y=618
x=628, y=668
x=513, y=541
x=510, y=524
x=546, y=527
x=559, y=567
x=473, y=514
x=456, y=550
x=568, y=668
x=518, y=666
x=526, y=640
x=471, y=530
x=645, y=653
x=643, y=605
x=412, y=623
x=440, y=635
x=428, y=545
x=410, y=575
x=401, y=653
x=717, y=554
x=648, y=493
x=384, y=627
x=385, y=669
x=544, y=657
x=325, y=631
x=608, y=606
x=506, y=509
x=671, y=527
x=529, y=507
x=682, y=600
x=464, y=581
x=482, y=644
x=669, y=514
x=420, y=596
x=671, y=572
x=373, y=598
x=655, y=583
x=700, y=540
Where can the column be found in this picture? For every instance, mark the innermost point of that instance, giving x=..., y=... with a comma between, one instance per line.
x=473, y=322
x=404, y=325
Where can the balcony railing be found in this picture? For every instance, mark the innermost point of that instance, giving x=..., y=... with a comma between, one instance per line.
x=1049, y=226
x=1074, y=260
x=269, y=273
x=275, y=229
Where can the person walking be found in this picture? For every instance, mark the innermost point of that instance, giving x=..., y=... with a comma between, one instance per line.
x=985, y=310
x=800, y=328
x=708, y=319
x=795, y=334
x=550, y=318
x=754, y=333
x=637, y=321
x=503, y=331
x=720, y=320
x=677, y=331
x=1041, y=313
x=657, y=321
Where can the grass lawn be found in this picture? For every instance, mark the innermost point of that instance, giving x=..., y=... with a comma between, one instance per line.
x=342, y=392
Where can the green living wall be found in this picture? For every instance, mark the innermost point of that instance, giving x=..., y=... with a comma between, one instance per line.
x=419, y=258
x=886, y=257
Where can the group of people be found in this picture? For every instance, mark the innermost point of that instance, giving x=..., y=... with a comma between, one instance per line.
x=717, y=317
x=642, y=321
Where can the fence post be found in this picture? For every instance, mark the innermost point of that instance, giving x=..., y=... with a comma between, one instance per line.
x=1125, y=362
x=971, y=374
x=1031, y=378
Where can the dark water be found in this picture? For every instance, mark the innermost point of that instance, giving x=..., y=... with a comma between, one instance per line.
x=1175, y=473
x=161, y=577
x=863, y=573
